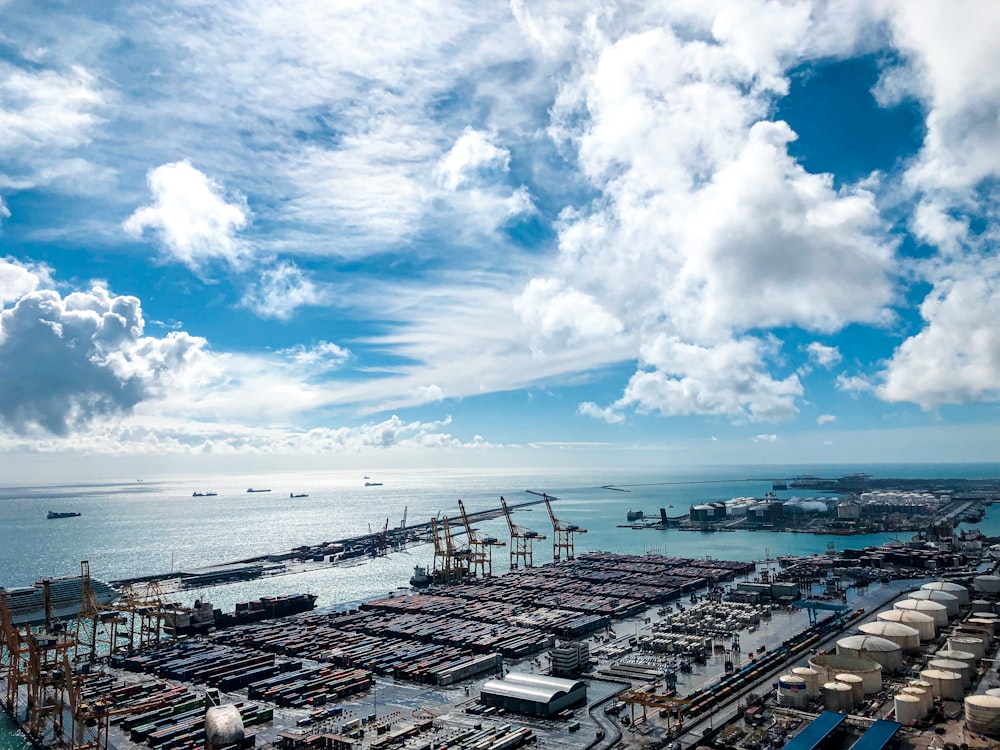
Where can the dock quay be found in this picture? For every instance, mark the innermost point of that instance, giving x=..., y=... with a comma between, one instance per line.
x=679, y=652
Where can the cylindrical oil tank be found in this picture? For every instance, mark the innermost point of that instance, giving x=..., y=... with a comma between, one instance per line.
x=975, y=646
x=952, y=665
x=984, y=621
x=838, y=697
x=908, y=708
x=923, y=623
x=966, y=657
x=857, y=686
x=982, y=714
x=994, y=692
x=811, y=676
x=982, y=606
x=944, y=684
x=924, y=694
x=904, y=636
x=950, y=601
x=792, y=691
x=986, y=584
x=885, y=652
x=934, y=609
x=955, y=589
x=828, y=666
x=972, y=628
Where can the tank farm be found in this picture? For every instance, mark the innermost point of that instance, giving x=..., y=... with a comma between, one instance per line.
x=893, y=645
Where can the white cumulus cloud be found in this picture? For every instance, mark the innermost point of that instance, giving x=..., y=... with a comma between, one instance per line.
x=282, y=289
x=192, y=216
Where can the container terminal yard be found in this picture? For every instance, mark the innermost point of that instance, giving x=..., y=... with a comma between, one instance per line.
x=885, y=646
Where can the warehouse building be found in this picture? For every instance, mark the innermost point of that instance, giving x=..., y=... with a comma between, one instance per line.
x=532, y=694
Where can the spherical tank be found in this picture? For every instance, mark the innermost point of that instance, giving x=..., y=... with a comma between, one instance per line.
x=904, y=636
x=944, y=684
x=838, y=697
x=923, y=623
x=934, y=609
x=982, y=714
x=908, y=709
x=950, y=601
x=955, y=589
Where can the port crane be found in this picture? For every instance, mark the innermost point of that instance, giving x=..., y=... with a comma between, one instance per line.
x=459, y=556
x=442, y=563
x=521, y=540
x=480, y=547
x=563, y=534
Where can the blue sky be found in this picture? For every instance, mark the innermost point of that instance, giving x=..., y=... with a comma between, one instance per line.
x=269, y=234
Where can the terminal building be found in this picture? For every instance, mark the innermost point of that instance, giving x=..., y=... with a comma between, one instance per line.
x=533, y=694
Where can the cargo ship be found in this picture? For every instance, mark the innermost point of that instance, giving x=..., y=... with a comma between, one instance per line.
x=203, y=617
x=58, y=514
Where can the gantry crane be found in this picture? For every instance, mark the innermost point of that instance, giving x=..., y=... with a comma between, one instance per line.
x=480, y=547
x=459, y=555
x=563, y=534
x=521, y=540
x=14, y=655
x=441, y=570
x=96, y=625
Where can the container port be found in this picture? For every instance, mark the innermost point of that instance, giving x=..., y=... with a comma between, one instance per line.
x=596, y=650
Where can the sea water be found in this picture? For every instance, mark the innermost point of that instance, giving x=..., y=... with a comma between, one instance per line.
x=150, y=526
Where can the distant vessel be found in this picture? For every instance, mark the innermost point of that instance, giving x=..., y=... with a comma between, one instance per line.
x=56, y=514
x=779, y=485
x=420, y=578
x=204, y=494
x=301, y=494
x=251, y=489
x=373, y=484
x=27, y=603
x=635, y=515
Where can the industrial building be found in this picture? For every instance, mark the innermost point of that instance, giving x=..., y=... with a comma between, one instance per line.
x=532, y=694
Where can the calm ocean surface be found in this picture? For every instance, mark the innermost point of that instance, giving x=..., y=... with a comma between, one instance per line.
x=153, y=526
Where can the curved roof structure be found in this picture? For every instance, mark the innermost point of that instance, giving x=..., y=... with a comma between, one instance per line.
x=869, y=643
x=532, y=687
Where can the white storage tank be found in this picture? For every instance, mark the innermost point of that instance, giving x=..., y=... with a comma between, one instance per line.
x=838, y=697
x=953, y=665
x=811, y=676
x=934, y=609
x=949, y=601
x=923, y=623
x=986, y=584
x=944, y=684
x=982, y=606
x=985, y=621
x=904, y=636
x=828, y=666
x=908, y=709
x=857, y=686
x=792, y=691
x=982, y=714
x=994, y=692
x=974, y=629
x=966, y=657
x=925, y=697
x=975, y=646
x=884, y=651
x=955, y=589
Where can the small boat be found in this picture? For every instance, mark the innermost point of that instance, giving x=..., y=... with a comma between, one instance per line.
x=251, y=489
x=420, y=577
x=204, y=494
x=635, y=515
x=373, y=484
x=55, y=514
x=301, y=494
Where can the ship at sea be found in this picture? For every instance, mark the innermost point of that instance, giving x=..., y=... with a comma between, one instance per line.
x=62, y=514
x=251, y=489
x=204, y=617
x=635, y=515
x=27, y=603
